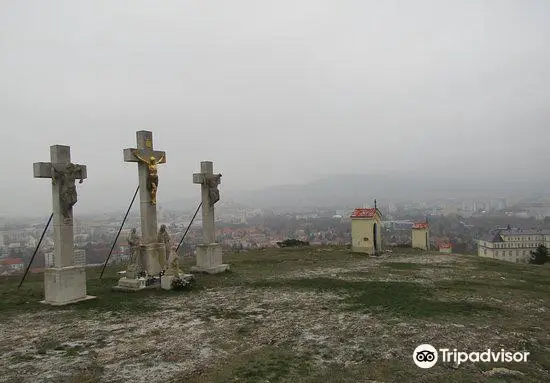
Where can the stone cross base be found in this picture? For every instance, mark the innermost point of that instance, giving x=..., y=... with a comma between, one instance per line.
x=65, y=285
x=153, y=257
x=132, y=284
x=209, y=259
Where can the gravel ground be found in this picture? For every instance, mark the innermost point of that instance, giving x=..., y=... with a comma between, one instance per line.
x=196, y=333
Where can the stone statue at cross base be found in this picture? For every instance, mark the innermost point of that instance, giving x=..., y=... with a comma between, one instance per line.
x=173, y=263
x=164, y=237
x=135, y=266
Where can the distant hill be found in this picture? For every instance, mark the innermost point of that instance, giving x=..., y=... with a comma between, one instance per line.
x=357, y=189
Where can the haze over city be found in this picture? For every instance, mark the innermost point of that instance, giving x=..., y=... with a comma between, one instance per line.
x=273, y=93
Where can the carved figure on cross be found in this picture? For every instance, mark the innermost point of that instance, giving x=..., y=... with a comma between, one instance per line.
x=67, y=177
x=209, y=181
x=153, y=178
x=212, y=182
x=209, y=195
x=63, y=174
x=149, y=159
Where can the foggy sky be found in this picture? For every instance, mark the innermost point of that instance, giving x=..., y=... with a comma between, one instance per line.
x=274, y=92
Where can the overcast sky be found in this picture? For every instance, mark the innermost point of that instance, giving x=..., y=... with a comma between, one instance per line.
x=274, y=92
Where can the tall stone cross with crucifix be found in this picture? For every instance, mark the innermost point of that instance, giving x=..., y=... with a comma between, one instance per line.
x=209, y=254
x=147, y=160
x=64, y=283
x=152, y=253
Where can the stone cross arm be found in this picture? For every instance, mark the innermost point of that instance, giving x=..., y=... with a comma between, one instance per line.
x=44, y=169
x=201, y=178
x=145, y=155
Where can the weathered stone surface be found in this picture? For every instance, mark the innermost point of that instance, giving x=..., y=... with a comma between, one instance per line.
x=209, y=254
x=166, y=280
x=65, y=285
x=209, y=259
x=148, y=209
x=173, y=266
x=153, y=257
x=210, y=195
x=130, y=284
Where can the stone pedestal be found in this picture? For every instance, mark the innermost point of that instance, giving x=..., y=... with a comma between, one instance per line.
x=209, y=259
x=136, y=284
x=130, y=284
x=153, y=257
x=65, y=285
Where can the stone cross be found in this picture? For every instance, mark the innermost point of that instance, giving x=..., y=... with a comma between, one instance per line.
x=210, y=195
x=148, y=209
x=63, y=174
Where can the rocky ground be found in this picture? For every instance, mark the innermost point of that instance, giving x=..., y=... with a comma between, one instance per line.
x=313, y=314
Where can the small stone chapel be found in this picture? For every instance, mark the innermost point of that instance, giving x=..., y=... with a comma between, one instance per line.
x=366, y=237
x=420, y=236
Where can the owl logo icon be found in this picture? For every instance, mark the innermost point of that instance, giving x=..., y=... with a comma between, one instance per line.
x=425, y=356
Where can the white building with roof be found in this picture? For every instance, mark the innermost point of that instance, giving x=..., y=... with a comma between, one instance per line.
x=511, y=244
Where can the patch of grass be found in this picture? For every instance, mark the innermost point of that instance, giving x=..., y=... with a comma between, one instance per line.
x=404, y=265
x=244, y=330
x=413, y=300
x=530, y=273
x=218, y=312
x=14, y=300
x=73, y=351
x=539, y=354
x=406, y=299
x=91, y=373
x=22, y=357
x=489, y=286
x=393, y=370
x=459, y=300
x=45, y=344
x=268, y=364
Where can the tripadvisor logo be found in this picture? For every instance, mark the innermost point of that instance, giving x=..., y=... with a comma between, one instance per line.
x=426, y=356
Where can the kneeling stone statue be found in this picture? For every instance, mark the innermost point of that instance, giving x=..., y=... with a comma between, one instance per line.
x=174, y=278
x=173, y=263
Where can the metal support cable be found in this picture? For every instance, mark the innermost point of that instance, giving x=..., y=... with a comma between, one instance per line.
x=189, y=226
x=35, y=250
x=118, y=234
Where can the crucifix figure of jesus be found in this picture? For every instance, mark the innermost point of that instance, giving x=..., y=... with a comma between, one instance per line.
x=147, y=160
x=153, y=178
x=66, y=176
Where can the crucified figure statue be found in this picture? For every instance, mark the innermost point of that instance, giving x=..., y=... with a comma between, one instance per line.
x=66, y=177
x=153, y=178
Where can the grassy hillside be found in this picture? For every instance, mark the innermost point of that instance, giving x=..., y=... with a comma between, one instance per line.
x=287, y=315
